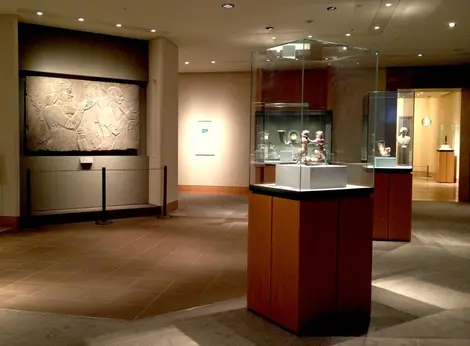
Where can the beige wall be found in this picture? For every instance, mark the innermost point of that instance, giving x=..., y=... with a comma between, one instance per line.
x=9, y=119
x=443, y=110
x=223, y=98
x=65, y=185
x=45, y=49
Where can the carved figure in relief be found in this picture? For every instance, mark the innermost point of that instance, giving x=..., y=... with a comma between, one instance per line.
x=320, y=152
x=383, y=150
x=105, y=117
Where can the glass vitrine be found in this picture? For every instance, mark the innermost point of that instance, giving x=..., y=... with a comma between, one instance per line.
x=308, y=122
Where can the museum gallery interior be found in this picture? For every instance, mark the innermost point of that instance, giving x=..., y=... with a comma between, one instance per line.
x=310, y=177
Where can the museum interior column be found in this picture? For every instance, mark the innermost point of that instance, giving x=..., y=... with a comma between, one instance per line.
x=9, y=120
x=162, y=117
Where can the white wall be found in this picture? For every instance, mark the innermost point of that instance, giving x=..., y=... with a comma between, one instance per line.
x=57, y=51
x=223, y=98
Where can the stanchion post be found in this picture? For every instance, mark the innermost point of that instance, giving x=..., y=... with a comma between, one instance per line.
x=28, y=219
x=104, y=214
x=164, y=213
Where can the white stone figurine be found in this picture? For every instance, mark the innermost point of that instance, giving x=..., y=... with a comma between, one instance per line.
x=383, y=150
x=319, y=154
x=403, y=139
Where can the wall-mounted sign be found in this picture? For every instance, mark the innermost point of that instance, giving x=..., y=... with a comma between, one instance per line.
x=204, y=143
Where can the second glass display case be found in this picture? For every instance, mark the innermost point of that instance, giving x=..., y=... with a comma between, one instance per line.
x=307, y=132
x=394, y=128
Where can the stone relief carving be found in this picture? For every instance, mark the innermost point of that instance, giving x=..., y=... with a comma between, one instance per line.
x=79, y=115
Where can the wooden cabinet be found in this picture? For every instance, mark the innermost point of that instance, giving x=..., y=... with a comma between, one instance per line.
x=445, y=170
x=304, y=269
x=393, y=204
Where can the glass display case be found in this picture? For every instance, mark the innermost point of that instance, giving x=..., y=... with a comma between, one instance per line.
x=394, y=128
x=446, y=137
x=307, y=123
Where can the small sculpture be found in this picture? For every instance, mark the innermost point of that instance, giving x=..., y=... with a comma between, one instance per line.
x=403, y=139
x=319, y=153
x=383, y=150
x=445, y=139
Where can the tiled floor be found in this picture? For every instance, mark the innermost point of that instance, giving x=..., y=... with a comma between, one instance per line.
x=131, y=269
x=427, y=189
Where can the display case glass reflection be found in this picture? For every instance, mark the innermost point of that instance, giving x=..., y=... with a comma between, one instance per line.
x=307, y=132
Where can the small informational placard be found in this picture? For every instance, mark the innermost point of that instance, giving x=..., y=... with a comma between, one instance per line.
x=86, y=160
x=204, y=143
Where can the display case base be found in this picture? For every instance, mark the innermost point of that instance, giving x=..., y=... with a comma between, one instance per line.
x=385, y=162
x=310, y=260
x=311, y=177
x=393, y=204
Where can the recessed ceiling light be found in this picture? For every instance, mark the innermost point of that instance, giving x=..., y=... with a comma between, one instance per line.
x=388, y=4
x=153, y=30
x=81, y=19
x=118, y=25
x=331, y=8
x=377, y=27
x=348, y=34
x=345, y=48
x=274, y=37
x=452, y=24
x=309, y=36
x=228, y=5
x=420, y=55
x=186, y=62
x=212, y=62
x=39, y=13
x=268, y=60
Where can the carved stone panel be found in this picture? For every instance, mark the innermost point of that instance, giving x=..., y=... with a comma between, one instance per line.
x=80, y=115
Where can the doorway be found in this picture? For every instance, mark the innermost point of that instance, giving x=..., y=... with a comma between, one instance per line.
x=436, y=150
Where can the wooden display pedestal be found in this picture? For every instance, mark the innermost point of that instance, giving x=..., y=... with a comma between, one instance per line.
x=445, y=172
x=310, y=256
x=392, y=204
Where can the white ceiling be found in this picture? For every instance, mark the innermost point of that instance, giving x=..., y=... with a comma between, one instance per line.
x=205, y=31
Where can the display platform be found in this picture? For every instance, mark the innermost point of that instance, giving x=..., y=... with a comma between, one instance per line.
x=311, y=177
x=446, y=166
x=310, y=257
x=393, y=203
x=385, y=162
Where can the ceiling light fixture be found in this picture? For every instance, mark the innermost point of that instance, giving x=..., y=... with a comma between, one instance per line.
x=228, y=5
x=388, y=4
x=81, y=19
x=212, y=62
x=348, y=34
x=310, y=36
x=452, y=24
x=39, y=13
x=186, y=62
x=345, y=48
x=118, y=25
x=153, y=30
x=420, y=55
x=270, y=28
x=377, y=27
x=331, y=8
x=274, y=37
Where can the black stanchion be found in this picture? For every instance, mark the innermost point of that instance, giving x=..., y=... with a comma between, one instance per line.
x=104, y=214
x=164, y=214
x=27, y=222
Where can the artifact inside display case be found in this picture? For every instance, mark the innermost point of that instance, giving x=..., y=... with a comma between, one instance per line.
x=446, y=137
x=394, y=128
x=297, y=89
x=70, y=115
